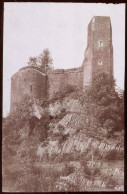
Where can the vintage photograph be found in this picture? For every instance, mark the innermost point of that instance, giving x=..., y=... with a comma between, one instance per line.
x=63, y=97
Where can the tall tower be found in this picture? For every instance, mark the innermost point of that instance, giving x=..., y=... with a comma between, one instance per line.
x=99, y=51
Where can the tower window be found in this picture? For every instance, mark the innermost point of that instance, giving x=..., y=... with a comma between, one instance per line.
x=100, y=62
x=30, y=87
x=100, y=43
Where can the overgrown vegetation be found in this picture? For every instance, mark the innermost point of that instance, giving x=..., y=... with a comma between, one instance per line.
x=44, y=61
x=105, y=104
x=102, y=114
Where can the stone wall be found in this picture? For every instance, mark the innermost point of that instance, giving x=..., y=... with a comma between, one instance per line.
x=30, y=81
x=27, y=82
x=58, y=80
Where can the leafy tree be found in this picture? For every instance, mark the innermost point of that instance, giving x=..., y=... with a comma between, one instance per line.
x=109, y=111
x=102, y=89
x=45, y=60
x=33, y=61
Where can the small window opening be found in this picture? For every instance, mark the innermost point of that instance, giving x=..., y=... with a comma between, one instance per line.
x=100, y=62
x=100, y=44
x=30, y=88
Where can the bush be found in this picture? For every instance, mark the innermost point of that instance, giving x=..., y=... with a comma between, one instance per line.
x=111, y=183
x=68, y=170
x=114, y=155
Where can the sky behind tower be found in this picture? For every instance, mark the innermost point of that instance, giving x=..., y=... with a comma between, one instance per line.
x=29, y=28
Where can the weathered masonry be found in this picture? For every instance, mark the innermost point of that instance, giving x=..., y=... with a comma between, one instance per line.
x=98, y=58
x=99, y=52
x=28, y=81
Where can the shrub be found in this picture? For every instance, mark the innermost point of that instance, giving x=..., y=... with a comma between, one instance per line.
x=111, y=183
x=104, y=104
x=114, y=155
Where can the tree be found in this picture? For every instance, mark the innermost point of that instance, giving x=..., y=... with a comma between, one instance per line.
x=102, y=90
x=106, y=106
x=45, y=60
x=32, y=61
x=24, y=117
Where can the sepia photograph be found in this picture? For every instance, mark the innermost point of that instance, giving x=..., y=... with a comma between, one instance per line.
x=63, y=97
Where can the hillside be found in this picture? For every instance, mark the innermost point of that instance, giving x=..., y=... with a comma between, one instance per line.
x=74, y=142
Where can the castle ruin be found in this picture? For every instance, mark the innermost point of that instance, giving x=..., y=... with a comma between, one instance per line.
x=98, y=58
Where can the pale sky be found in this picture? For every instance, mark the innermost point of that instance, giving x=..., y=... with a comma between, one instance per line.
x=29, y=28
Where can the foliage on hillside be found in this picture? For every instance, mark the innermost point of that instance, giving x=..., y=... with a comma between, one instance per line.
x=109, y=104
x=84, y=117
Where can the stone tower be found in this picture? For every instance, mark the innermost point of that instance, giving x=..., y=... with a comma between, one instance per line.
x=28, y=81
x=99, y=51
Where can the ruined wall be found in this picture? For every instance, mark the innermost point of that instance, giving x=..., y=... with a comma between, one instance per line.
x=58, y=80
x=98, y=58
x=27, y=81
